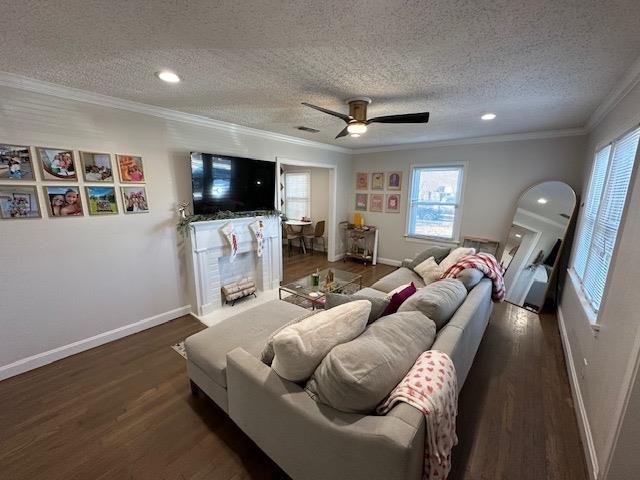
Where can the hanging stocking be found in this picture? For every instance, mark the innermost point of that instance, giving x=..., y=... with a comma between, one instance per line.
x=257, y=227
x=232, y=238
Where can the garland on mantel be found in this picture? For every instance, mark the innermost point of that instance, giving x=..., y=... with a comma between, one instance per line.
x=184, y=223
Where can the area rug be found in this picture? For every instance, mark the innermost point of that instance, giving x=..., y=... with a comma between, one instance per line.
x=179, y=349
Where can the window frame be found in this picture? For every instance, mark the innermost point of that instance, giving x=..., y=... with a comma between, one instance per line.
x=458, y=205
x=590, y=310
x=308, y=198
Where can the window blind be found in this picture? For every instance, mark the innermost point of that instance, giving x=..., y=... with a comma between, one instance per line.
x=606, y=199
x=297, y=190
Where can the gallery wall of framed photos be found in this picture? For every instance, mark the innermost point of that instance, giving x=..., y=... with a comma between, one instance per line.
x=378, y=192
x=46, y=182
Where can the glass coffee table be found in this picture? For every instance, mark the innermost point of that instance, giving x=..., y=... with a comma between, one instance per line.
x=305, y=289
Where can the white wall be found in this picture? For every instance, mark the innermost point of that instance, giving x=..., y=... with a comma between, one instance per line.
x=611, y=354
x=496, y=175
x=65, y=280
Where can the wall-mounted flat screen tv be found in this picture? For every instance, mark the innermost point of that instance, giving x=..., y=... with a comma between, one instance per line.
x=222, y=182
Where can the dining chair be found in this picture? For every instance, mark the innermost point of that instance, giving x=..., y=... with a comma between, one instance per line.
x=317, y=234
x=290, y=234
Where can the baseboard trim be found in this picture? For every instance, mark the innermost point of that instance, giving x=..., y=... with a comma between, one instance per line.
x=581, y=412
x=389, y=261
x=44, y=358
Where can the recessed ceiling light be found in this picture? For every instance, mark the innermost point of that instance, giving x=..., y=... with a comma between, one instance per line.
x=488, y=116
x=518, y=235
x=354, y=135
x=542, y=201
x=168, y=76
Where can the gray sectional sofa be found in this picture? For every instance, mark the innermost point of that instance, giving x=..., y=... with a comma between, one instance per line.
x=309, y=440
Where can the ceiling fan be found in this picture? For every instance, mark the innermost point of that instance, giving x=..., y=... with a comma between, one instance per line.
x=357, y=119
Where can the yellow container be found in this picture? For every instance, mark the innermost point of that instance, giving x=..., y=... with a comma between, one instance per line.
x=358, y=219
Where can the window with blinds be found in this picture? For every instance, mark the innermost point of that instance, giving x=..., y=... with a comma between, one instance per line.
x=297, y=195
x=602, y=213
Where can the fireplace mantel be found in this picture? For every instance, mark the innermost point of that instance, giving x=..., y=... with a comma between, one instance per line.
x=210, y=249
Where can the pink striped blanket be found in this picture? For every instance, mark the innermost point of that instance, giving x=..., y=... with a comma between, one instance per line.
x=431, y=387
x=487, y=264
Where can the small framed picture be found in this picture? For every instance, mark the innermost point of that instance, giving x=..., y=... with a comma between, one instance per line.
x=393, y=203
x=377, y=202
x=134, y=200
x=362, y=181
x=102, y=200
x=15, y=163
x=63, y=201
x=130, y=169
x=57, y=164
x=19, y=202
x=395, y=181
x=96, y=167
x=377, y=181
x=362, y=199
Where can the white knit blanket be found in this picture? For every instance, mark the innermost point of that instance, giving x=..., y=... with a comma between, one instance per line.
x=431, y=387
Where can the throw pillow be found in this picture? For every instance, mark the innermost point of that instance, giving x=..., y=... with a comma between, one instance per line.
x=378, y=305
x=438, y=301
x=429, y=270
x=356, y=376
x=300, y=347
x=470, y=277
x=438, y=253
x=266, y=356
x=455, y=256
x=398, y=299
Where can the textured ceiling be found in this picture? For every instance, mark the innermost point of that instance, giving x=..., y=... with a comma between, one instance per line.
x=539, y=65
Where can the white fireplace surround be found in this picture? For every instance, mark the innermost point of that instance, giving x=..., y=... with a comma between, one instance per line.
x=211, y=252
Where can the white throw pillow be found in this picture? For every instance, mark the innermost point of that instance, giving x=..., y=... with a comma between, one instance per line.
x=300, y=348
x=396, y=290
x=429, y=270
x=455, y=256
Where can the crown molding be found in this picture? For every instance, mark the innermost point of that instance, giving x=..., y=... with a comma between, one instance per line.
x=628, y=81
x=37, y=86
x=568, y=132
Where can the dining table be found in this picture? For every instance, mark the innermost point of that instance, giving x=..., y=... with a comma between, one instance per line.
x=298, y=226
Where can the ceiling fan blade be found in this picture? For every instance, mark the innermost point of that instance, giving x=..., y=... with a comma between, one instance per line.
x=342, y=116
x=406, y=118
x=343, y=132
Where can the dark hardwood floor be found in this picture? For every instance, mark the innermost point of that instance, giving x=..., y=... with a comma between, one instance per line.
x=124, y=410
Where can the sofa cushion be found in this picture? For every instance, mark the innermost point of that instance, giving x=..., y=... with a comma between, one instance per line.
x=372, y=293
x=429, y=270
x=378, y=304
x=249, y=329
x=401, y=276
x=398, y=298
x=267, y=354
x=470, y=277
x=455, y=256
x=438, y=253
x=300, y=347
x=356, y=376
x=438, y=301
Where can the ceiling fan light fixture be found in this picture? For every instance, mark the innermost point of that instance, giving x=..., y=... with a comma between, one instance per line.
x=356, y=127
x=354, y=135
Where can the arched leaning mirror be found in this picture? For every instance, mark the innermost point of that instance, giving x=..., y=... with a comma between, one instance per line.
x=535, y=241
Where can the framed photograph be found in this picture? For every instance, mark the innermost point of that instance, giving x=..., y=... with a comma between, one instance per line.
x=362, y=199
x=64, y=201
x=96, y=167
x=377, y=181
x=15, y=163
x=395, y=181
x=57, y=164
x=19, y=202
x=377, y=202
x=362, y=181
x=102, y=200
x=130, y=169
x=393, y=203
x=134, y=200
